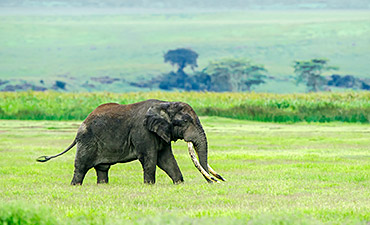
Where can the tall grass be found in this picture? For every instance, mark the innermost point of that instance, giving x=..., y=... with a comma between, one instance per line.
x=313, y=107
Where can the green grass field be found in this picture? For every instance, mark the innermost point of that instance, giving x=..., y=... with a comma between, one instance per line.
x=277, y=174
x=71, y=47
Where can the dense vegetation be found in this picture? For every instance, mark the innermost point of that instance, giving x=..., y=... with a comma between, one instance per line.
x=313, y=107
x=283, y=174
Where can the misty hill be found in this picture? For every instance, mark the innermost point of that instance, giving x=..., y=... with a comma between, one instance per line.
x=194, y=4
x=124, y=52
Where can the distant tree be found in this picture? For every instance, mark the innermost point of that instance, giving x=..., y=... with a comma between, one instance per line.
x=234, y=75
x=181, y=57
x=200, y=81
x=309, y=72
x=174, y=80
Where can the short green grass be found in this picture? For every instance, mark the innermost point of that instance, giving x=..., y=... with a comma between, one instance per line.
x=276, y=174
x=72, y=47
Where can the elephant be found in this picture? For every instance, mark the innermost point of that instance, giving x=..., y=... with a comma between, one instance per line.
x=115, y=133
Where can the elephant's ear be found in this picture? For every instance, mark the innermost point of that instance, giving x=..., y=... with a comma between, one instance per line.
x=158, y=121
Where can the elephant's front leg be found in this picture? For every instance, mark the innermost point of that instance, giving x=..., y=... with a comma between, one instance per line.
x=167, y=162
x=148, y=161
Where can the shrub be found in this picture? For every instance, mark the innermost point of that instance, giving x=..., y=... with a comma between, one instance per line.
x=20, y=214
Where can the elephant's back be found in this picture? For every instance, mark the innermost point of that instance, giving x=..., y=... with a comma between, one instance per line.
x=106, y=109
x=114, y=112
x=109, y=124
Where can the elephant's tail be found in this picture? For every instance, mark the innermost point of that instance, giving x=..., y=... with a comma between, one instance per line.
x=47, y=158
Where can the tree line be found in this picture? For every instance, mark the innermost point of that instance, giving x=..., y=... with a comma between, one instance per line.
x=239, y=74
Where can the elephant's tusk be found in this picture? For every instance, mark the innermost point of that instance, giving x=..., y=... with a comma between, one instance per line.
x=212, y=171
x=218, y=176
x=198, y=166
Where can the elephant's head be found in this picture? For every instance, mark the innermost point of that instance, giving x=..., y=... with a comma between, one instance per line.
x=177, y=120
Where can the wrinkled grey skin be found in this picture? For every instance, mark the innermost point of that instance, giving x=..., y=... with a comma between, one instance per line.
x=115, y=133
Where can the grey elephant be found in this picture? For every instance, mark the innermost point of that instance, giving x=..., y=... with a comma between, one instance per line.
x=115, y=133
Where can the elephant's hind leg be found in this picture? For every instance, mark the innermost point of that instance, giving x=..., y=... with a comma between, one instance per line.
x=102, y=173
x=78, y=176
x=83, y=162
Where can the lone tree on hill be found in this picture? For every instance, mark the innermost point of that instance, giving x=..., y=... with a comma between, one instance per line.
x=310, y=72
x=181, y=57
x=234, y=75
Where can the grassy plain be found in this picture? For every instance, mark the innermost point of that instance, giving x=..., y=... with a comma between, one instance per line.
x=277, y=174
x=74, y=46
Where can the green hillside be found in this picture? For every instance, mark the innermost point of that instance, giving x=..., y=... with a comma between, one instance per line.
x=39, y=48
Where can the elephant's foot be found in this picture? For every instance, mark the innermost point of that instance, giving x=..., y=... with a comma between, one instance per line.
x=78, y=177
x=178, y=182
x=103, y=181
x=149, y=182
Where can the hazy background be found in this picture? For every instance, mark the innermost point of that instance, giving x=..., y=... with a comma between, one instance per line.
x=118, y=46
x=193, y=4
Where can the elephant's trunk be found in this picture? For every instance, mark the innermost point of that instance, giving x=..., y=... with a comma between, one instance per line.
x=201, y=148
